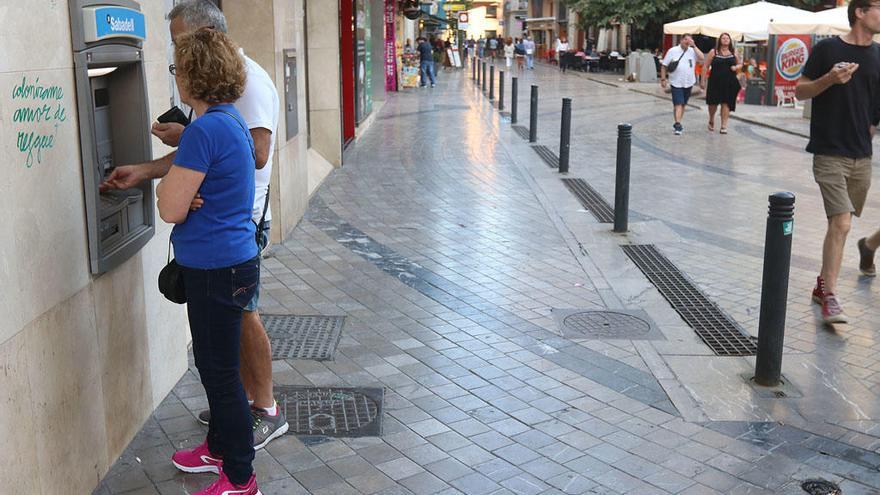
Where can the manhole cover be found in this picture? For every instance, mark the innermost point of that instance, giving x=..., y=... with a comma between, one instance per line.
x=303, y=337
x=607, y=325
x=335, y=411
x=820, y=487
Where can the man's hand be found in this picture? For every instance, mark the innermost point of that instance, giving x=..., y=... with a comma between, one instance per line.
x=663, y=83
x=841, y=74
x=169, y=133
x=197, y=203
x=124, y=177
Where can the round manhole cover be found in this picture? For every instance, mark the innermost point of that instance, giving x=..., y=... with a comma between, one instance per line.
x=332, y=412
x=607, y=324
x=820, y=487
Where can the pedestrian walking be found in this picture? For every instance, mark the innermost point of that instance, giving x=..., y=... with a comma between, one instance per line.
x=679, y=64
x=519, y=51
x=508, y=53
x=215, y=156
x=842, y=76
x=561, y=47
x=493, y=47
x=529, y=46
x=481, y=44
x=426, y=62
x=723, y=84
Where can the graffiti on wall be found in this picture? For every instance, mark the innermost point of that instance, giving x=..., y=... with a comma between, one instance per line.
x=39, y=111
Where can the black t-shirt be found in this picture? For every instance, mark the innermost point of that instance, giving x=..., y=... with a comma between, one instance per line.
x=843, y=113
x=426, y=53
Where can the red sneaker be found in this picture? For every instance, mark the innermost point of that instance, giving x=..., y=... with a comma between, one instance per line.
x=225, y=487
x=831, y=310
x=819, y=290
x=197, y=460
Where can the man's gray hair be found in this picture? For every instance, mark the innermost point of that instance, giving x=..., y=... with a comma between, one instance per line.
x=198, y=14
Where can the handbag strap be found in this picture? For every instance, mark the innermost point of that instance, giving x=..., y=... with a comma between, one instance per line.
x=168, y=259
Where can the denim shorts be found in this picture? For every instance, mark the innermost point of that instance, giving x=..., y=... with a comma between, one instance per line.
x=680, y=96
x=264, y=241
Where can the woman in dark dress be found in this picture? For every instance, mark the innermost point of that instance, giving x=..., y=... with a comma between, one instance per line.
x=723, y=83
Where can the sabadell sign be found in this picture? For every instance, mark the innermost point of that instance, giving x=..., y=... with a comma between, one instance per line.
x=791, y=58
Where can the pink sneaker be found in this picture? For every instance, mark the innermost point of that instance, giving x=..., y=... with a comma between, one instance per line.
x=197, y=460
x=225, y=487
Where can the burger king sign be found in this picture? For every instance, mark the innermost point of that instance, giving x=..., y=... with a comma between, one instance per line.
x=791, y=57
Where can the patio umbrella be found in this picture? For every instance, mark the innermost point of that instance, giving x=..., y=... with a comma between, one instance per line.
x=826, y=22
x=744, y=23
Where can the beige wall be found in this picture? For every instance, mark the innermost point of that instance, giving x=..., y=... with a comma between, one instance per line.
x=325, y=100
x=85, y=359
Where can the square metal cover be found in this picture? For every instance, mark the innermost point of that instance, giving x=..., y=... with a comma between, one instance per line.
x=332, y=411
x=625, y=324
x=303, y=337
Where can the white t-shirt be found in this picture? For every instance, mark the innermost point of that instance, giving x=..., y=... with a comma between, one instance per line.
x=561, y=46
x=684, y=75
x=260, y=107
x=529, y=45
x=508, y=51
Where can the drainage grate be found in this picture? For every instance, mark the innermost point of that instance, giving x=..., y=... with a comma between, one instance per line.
x=303, y=337
x=717, y=330
x=606, y=324
x=522, y=131
x=548, y=156
x=332, y=411
x=590, y=199
x=820, y=487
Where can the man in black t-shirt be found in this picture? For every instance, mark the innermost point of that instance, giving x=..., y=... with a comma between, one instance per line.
x=426, y=62
x=842, y=76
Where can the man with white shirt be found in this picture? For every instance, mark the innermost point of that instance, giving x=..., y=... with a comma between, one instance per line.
x=680, y=62
x=260, y=108
x=529, y=46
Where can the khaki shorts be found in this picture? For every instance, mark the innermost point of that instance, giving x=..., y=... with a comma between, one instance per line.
x=844, y=183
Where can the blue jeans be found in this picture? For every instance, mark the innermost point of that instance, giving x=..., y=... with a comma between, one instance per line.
x=427, y=71
x=530, y=61
x=214, y=302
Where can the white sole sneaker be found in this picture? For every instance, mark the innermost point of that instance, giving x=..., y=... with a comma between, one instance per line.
x=275, y=434
x=201, y=469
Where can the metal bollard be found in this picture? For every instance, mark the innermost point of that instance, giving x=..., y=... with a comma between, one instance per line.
x=565, y=136
x=774, y=289
x=513, y=88
x=474, y=69
x=484, y=76
x=500, y=90
x=621, y=186
x=492, y=82
x=533, y=115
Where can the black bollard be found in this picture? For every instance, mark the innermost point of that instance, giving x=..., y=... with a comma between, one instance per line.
x=484, y=76
x=500, y=90
x=533, y=115
x=565, y=136
x=492, y=82
x=621, y=186
x=513, y=88
x=474, y=69
x=774, y=289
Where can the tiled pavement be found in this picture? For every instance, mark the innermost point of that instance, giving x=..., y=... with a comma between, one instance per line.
x=446, y=242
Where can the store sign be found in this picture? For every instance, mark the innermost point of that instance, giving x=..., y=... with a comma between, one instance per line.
x=390, y=46
x=463, y=19
x=101, y=23
x=791, y=58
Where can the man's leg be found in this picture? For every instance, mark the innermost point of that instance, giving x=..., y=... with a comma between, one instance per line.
x=679, y=113
x=873, y=241
x=256, y=358
x=832, y=249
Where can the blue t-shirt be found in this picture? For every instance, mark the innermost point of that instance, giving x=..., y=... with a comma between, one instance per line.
x=220, y=233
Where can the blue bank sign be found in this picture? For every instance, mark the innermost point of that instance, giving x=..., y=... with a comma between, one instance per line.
x=101, y=23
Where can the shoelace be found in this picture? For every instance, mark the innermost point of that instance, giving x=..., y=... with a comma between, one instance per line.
x=258, y=418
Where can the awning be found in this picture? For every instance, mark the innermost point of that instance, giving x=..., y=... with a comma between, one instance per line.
x=540, y=23
x=745, y=23
x=826, y=22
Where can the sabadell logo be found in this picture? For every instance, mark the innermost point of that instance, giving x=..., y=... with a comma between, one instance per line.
x=791, y=58
x=120, y=25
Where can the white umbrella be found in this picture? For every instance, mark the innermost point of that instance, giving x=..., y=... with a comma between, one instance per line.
x=743, y=23
x=826, y=22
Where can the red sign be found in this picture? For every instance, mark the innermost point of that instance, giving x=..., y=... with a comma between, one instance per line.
x=390, y=47
x=792, y=52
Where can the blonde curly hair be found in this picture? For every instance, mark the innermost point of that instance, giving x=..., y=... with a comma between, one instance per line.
x=209, y=67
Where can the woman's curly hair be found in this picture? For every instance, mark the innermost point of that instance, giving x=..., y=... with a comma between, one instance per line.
x=209, y=67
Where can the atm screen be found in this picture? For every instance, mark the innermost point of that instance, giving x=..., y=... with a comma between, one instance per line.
x=103, y=124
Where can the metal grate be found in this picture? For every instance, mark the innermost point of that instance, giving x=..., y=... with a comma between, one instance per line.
x=607, y=324
x=303, y=337
x=332, y=411
x=820, y=486
x=522, y=131
x=548, y=156
x=590, y=199
x=717, y=330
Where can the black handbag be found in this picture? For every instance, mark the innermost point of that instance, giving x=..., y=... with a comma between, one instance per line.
x=674, y=64
x=171, y=280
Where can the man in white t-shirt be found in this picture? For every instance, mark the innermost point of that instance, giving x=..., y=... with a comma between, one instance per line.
x=259, y=105
x=684, y=57
x=529, y=46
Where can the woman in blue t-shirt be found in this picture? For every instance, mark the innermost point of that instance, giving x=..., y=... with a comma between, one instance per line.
x=215, y=244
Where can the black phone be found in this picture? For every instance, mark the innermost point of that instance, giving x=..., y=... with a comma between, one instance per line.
x=175, y=114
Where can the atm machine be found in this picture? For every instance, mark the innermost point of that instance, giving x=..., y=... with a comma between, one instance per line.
x=114, y=125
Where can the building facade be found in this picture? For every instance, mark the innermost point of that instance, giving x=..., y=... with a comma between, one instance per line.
x=89, y=347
